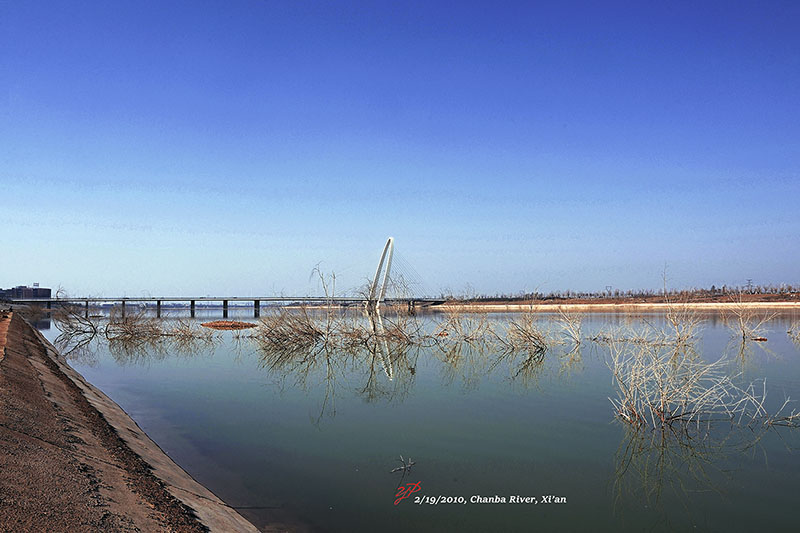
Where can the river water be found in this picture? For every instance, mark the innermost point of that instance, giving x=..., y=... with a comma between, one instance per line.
x=309, y=440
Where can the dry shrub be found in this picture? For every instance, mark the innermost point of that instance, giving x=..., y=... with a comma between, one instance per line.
x=661, y=386
x=459, y=326
x=188, y=338
x=525, y=334
x=132, y=326
x=570, y=324
x=745, y=320
x=290, y=329
x=77, y=331
x=187, y=329
x=794, y=333
x=683, y=323
x=405, y=330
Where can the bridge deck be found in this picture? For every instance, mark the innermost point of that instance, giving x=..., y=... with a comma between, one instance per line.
x=253, y=301
x=215, y=299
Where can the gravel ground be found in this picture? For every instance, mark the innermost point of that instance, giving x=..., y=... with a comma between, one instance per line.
x=64, y=468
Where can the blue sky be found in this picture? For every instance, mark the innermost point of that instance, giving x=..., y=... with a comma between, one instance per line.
x=194, y=148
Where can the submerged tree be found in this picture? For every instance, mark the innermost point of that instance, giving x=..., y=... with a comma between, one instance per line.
x=745, y=320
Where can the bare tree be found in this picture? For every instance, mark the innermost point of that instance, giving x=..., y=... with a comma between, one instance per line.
x=660, y=386
x=570, y=323
x=746, y=320
x=794, y=333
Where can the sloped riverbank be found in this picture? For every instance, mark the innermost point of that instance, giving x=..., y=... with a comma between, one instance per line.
x=73, y=460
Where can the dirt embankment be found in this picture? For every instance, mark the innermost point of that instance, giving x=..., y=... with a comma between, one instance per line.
x=228, y=324
x=72, y=460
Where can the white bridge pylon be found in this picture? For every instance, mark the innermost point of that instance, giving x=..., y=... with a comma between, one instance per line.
x=375, y=297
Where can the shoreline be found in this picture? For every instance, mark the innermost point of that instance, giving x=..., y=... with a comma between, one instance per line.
x=550, y=306
x=621, y=307
x=75, y=460
x=87, y=446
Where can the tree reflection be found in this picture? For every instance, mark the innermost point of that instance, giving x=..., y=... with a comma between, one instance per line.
x=743, y=352
x=463, y=362
x=330, y=345
x=650, y=463
x=134, y=338
x=570, y=361
x=137, y=350
x=389, y=377
x=394, y=357
x=78, y=332
x=794, y=333
x=671, y=466
x=322, y=358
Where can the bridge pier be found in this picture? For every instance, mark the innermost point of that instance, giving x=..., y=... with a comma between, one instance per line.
x=191, y=307
x=86, y=310
x=224, y=308
x=123, y=308
x=256, y=308
x=158, y=308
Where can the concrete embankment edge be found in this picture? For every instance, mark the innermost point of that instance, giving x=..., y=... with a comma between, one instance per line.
x=212, y=512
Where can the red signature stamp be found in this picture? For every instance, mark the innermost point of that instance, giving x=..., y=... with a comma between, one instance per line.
x=407, y=490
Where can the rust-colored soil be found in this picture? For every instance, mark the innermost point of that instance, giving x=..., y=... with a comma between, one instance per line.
x=228, y=324
x=604, y=306
x=681, y=299
x=62, y=466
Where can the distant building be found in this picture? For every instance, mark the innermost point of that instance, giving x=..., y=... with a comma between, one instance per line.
x=25, y=292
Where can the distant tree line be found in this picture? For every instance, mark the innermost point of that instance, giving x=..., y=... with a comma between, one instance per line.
x=711, y=293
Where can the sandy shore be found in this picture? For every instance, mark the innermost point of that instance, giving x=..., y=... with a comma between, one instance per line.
x=615, y=307
x=73, y=460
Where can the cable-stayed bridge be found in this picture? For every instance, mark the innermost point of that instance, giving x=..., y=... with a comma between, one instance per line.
x=382, y=283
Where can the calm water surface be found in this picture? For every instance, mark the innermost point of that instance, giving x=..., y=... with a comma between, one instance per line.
x=310, y=442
